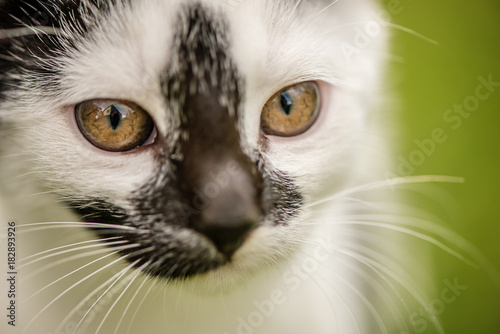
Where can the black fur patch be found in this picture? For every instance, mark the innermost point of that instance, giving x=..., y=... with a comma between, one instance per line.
x=99, y=211
x=167, y=255
x=203, y=85
x=162, y=235
x=20, y=54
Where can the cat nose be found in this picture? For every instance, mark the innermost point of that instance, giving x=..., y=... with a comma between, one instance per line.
x=231, y=209
x=227, y=236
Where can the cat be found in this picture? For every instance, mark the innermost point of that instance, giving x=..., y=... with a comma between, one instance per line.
x=202, y=166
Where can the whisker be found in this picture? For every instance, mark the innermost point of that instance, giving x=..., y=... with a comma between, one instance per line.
x=342, y=299
x=387, y=184
x=378, y=269
x=53, y=264
x=28, y=31
x=69, y=274
x=353, y=202
x=323, y=10
x=479, y=261
x=385, y=295
x=137, y=272
x=141, y=251
x=412, y=32
x=40, y=193
x=66, y=246
x=70, y=288
x=123, y=272
x=76, y=249
x=179, y=296
x=136, y=312
x=129, y=304
x=365, y=302
x=88, y=297
x=382, y=270
x=332, y=307
x=390, y=25
x=413, y=233
x=297, y=3
x=35, y=227
x=164, y=302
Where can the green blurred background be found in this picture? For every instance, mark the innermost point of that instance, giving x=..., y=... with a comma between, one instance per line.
x=428, y=80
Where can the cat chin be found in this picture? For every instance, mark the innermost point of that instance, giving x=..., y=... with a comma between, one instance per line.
x=264, y=252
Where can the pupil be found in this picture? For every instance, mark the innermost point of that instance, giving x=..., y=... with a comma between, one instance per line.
x=286, y=103
x=115, y=117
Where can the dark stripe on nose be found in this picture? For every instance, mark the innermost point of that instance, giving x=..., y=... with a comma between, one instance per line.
x=213, y=174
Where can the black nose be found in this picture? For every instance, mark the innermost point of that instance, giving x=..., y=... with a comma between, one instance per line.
x=227, y=236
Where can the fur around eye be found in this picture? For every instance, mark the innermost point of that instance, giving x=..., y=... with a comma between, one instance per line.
x=292, y=110
x=116, y=126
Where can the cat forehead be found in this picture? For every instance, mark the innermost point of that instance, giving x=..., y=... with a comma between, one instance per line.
x=131, y=45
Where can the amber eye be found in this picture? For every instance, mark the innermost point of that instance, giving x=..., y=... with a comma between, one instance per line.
x=115, y=126
x=291, y=111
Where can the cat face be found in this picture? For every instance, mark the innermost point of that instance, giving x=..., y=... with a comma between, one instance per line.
x=202, y=129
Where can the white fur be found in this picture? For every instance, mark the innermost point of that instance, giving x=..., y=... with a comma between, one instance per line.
x=125, y=60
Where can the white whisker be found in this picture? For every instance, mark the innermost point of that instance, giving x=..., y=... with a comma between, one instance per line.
x=412, y=32
x=406, y=224
x=69, y=274
x=324, y=9
x=413, y=233
x=122, y=272
x=35, y=227
x=136, y=312
x=89, y=296
x=66, y=246
x=371, y=308
x=332, y=307
x=341, y=298
x=137, y=272
x=70, y=288
x=388, y=184
x=297, y=3
x=129, y=304
x=382, y=270
x=76, y=249
x=53, y=264
x=28, y=31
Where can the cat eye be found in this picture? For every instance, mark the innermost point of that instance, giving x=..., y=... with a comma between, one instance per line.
x=115, y=126
x=291, y=111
